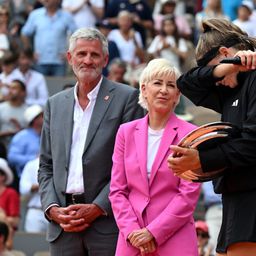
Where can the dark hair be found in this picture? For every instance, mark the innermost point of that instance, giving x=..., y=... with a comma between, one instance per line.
x=217, y=33
x=119, y=62
x=171, y=2
x=4, y=230
x=171, y=18
x=9, y=58
x=21, y=84
x=3, y=150
x=28, y=52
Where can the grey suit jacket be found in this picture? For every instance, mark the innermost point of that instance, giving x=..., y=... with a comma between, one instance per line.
x=115, y=104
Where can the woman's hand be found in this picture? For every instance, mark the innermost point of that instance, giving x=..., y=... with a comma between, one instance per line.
x=147, y=248
x=183, y=159
x=143, y=240
x=248, y=60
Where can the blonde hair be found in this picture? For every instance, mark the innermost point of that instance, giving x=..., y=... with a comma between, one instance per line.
x=156, y=68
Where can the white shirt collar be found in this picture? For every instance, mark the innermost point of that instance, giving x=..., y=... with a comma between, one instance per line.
x=92, y=95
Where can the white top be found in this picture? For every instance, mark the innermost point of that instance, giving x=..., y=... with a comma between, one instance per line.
x=36, y=88
x=81, y=120
x=247, y=26
x=126, y=48
x=85, y=16
x=29, y=178
x=7, y=112
x=154, y=139
x=4, y=42
x=167, y=53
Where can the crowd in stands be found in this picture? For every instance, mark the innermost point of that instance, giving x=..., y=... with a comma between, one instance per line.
x=33, y=43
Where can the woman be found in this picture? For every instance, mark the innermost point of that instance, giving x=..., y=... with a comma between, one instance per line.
x=152, y=207
x=169, y=44
x=230, y=90
x=212, y=9
x=9, y=200
x=128, y=41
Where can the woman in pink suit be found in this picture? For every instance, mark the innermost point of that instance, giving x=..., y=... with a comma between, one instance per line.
x=152, y=207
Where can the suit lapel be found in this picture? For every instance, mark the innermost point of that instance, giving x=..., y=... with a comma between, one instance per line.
x=105, y=96
x=68, y=113
x=141, y=142
x=169, y=135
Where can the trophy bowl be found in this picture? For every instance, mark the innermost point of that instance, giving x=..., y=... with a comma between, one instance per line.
x=205, y=137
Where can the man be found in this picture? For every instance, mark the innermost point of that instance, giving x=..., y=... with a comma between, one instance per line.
x=50, y=26
x=24, y=146
x=77, y=143
x=85, y=12
x=8, y=63
x=36, y=87
x=116, y=70
x=141, y=13
x=12, y=112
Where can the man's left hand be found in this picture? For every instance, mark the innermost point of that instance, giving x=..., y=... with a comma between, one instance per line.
x=89, y=212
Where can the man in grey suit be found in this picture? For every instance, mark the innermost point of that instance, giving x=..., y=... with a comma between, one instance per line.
x=77, y=143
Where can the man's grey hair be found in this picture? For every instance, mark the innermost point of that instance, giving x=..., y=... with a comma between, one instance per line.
x=156, y=68
x=88, y=34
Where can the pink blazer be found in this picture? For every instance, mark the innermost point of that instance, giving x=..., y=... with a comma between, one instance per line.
x=164, y=204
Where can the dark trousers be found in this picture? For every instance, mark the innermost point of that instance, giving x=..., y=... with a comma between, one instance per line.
x=86, y=243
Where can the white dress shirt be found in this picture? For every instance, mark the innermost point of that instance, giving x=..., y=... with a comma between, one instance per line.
x=81, y=120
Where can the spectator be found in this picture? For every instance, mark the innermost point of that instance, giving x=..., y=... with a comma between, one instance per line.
x=117, y=70
x=9, y=198
x=49, y=26
x=35, y=220
x=15, y=27
x=141, y=15
x=12, y=112
x=24, y=145
x=244, y=20
x=168, y=8
x=171, y=46
x=128, y=40
x=168, y=44
x=8, y=64
x=212, y=9
x=204, y=248
x=85, y=12
x=4, y=22
x=105, y=28
x=36, y=87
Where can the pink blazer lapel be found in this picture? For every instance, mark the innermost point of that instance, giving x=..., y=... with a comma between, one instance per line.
x=141, y=142
x=169, y=135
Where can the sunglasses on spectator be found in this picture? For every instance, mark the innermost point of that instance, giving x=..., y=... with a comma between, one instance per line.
x=202, y=234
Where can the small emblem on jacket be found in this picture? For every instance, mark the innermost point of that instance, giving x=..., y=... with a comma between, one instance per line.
x=106, y=97
x=235, y=103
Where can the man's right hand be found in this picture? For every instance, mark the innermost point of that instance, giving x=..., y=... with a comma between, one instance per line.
x=65, y=218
